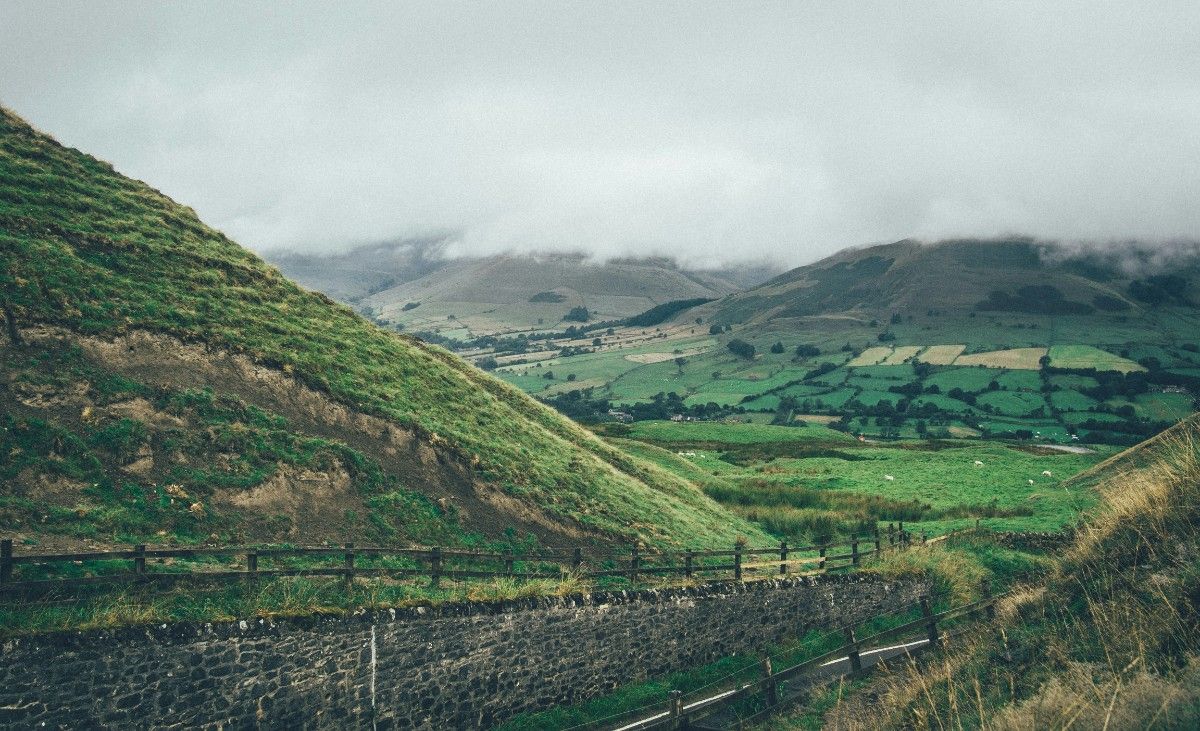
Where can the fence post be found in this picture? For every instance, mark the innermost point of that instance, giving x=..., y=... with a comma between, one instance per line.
x=930, y=620
x=508, y=563
x=252, y=562
x=854, y=550
x=139, y=559
x=634, y=560
x=676, y=710
x=783, y=554
x=878, y=543
x=903, y=535
x=737, y=561
x=435, y=565
x=687, y=563
x=6, y=560
x=985, y=588
x=891, y=535
x=771, y=687
x=349, y=561
x=821, y=555
x=577, y=559
x=923, y=538
x=852, y=651
x=977, y=525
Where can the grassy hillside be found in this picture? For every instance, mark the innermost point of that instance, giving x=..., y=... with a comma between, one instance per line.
x=98, y=254
x=994, y=276
x=1109, y=641
x=471, y=297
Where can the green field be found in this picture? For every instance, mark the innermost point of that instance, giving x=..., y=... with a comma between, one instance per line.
x=809, y=480
x=1087, y=356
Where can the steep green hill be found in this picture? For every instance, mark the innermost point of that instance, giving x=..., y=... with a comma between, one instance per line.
x=104, y=267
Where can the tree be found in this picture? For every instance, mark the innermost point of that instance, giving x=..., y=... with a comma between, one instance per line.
x=715, y=329
x=488, y=364
x=807, y=351
x=596, y=342
x=570, y=376
x=680, y=362
x=578, y=314
x=741, y=348
x=548, y=375
x=895, y=318
x=777, y=348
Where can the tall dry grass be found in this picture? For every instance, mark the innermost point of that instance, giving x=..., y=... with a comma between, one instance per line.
x=1111, y=640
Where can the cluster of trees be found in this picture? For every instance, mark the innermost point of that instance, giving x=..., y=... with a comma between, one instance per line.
x=578, y=314
x=582, y=405
x=741, y=348
x=1160, y=289
x=661, y=313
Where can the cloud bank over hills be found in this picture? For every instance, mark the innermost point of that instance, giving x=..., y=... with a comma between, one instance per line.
x=709, y=133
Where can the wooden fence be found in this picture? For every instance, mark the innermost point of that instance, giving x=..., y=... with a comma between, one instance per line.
x=350, y=561
x=767, y=693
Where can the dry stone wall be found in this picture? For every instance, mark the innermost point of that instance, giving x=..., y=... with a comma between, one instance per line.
x=467, y=665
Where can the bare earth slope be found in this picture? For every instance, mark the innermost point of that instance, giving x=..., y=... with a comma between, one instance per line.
x=115, y=264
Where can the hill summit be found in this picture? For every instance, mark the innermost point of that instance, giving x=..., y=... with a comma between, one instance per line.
x=160, y=379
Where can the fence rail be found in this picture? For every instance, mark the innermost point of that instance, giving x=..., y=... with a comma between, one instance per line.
x=926, y=632
x=20, y=572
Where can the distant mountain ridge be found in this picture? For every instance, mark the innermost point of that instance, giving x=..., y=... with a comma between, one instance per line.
x=961, y=276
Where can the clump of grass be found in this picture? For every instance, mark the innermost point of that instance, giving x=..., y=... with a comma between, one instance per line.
x=767, y=493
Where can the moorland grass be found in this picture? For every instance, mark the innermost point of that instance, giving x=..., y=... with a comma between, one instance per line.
x=98, y=253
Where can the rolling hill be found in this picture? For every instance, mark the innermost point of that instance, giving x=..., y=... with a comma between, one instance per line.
x=413, y=285
x=987, y=276
x=162, y=382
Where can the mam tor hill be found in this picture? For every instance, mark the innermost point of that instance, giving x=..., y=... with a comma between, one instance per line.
x=161, y=382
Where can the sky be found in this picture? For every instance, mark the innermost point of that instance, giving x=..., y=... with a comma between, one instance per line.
x=713, y=132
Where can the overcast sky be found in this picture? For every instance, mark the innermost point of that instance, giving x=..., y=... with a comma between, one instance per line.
x=708, y=130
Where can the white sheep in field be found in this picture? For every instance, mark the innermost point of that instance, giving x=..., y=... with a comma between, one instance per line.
x=1047, y=473
x=1030, y=482
x=978, y=463
x=889, y=478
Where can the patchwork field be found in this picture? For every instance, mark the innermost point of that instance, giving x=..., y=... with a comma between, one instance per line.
x=871, y=356
x=1087, y=356
x=901, y=354
x=941, y=354
x=1024, y=358
x=986, y=377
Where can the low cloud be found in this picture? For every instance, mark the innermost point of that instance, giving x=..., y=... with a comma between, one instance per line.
x=712, y=133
